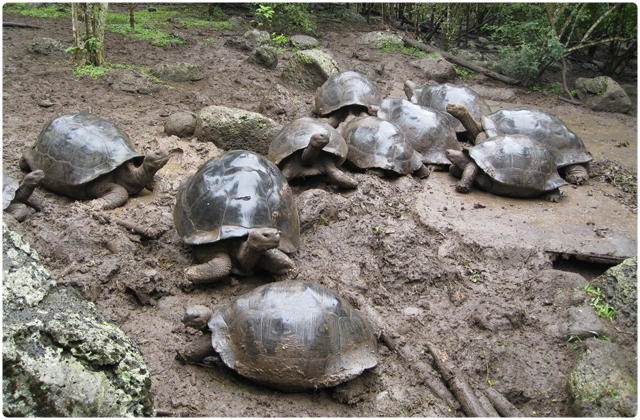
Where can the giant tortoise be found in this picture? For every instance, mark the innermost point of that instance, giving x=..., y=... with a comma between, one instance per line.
x=86, y=157
x=289, y=335
x=239, y=214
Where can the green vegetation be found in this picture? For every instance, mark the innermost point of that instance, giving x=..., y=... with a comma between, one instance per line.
x=413, y=52
x=285, y=18
x=57, y=10
x=597, y=301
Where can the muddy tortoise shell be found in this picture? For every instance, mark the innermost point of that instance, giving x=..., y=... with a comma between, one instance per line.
x=521, y=166
x=296, y=135
x=376, y=143
x=429, y=131
x=345, y=89
x=438, y=96
x=74, y=149
x=293, y=336
x=546, y=128
x=233, y=194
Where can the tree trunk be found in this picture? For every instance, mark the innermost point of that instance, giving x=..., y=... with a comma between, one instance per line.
x=89, y=21
x=132, y=21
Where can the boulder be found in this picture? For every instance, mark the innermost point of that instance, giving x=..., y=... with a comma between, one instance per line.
x=181, y=124
x=603, y=94
x=265, y=56
x=238, y=43
x=309, y=69
x=60, y=357
x=304, y=42
x=47, y=46
x=257, y=37
x=178, y=72
x=603, y=381
x=279, y=101
x=235, y=129
x=619, y=285
x=351, y=16
x=495, y=94
x=380, y=39
x=132, y=81
x=238, y=24
x=437, y=69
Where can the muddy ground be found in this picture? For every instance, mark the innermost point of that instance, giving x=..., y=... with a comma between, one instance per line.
x=484, y=278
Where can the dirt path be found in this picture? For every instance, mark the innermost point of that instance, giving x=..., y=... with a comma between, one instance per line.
x=433, y=263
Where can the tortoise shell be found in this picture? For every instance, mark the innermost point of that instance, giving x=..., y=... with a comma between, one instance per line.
x=233, y=194
x=429, y=131
x=438, y=96
x=296, y=135
x=546, y=128
x=376, y=143
x=293, y=335
x=345, y=89
x=9, y=187
x=519, y=165
x=74, y=149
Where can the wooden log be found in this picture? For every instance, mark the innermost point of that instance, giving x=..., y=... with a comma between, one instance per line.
x=427, y=372
x=503, y=405
x=458, y=385
x=486, y=404
x=462, y=62
x=18, y=25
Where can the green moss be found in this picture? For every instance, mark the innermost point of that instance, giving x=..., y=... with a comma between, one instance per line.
x=49, y=11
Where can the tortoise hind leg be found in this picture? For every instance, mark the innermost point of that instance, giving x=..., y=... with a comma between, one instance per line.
x=211, y=271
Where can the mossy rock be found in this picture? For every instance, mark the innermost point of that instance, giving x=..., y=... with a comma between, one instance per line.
x=620, y=287
x=60, y=356
x=309, y=69
x=235, y=129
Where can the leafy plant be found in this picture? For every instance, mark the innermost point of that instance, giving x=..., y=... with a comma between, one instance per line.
x=462, y=72
x=279, y=41
x=597, y=301
x=264, y=14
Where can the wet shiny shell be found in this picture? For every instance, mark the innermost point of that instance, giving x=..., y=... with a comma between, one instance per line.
x=438, y=96
x=296, y=135
x=520, y=164
x=293, y=335
x=233, y=194
x=546, y=128
x=9, y=188
x=75, y=149
x=376, y=143
x=429, y=131
x=345, y=89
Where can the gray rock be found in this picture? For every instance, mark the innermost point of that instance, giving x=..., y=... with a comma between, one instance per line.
x=304, y=42
x=47, y=46
x=132, y=81
x=256, y=37
x=603, y=382
x=620, y=287
x=495, y=94
x=238, y=43
x=265, y=56
x=181, y=124
x=380, y=39
x=350, y=16
x=309, y=69
x=60, y=357
x=603, y=94
x=280, y=101
x=233, y=129
x=238, y=24
x=178, y=72
x=437, y=69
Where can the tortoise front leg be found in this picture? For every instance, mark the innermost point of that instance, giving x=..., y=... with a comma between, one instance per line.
x=211, y=271
x=336, y=176
x=111, y=195
x=276, y=262
x=468, y=167
x=18, y=210
x=198, y=350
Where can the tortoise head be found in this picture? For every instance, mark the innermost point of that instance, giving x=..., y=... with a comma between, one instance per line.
x=264, y=239
x=197, y=317
x=156, y=160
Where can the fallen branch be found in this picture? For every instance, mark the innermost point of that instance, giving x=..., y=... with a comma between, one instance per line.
x=502, y=404
x=464, y=63
x=19, y=25
x=459, y=386
x=140, y=230
x=571, y=101
x=427, y=372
